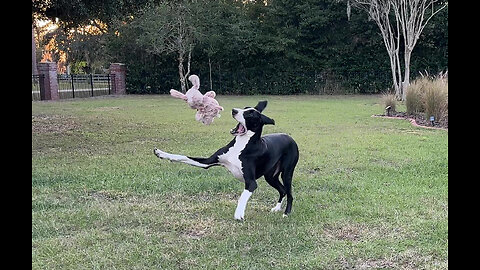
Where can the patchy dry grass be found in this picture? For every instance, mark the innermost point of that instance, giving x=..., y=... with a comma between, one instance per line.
x=55, y=124
x=369, y=193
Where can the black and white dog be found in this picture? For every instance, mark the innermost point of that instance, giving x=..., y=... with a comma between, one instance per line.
x=250, y=156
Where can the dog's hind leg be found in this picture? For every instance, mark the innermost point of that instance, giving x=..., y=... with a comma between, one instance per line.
x=289, y=162
x=272, y=180
x=287, y=176
x=287, y=182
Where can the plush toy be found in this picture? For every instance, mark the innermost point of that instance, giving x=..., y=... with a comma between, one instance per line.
x=206, y=105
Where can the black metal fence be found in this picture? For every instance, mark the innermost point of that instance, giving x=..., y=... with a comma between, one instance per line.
x=77, y=85
x=37, y=80
x=89, y=85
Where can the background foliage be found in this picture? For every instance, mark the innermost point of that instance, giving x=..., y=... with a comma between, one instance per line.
x=281, y=47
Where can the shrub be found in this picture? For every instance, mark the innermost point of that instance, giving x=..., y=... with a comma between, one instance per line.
x=436, y=99
x=428, y=95
x=414, y=95
x=389, y=100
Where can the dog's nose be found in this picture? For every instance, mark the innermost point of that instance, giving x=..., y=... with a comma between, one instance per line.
x=234, y=112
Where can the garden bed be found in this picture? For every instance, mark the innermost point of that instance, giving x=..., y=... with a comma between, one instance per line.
x=417, y=120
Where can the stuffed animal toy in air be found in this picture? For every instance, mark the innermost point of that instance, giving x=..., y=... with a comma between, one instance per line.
x=206, y=105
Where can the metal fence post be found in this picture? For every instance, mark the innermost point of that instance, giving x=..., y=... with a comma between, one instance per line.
x=91, y=82
x=108, y=80
x=73, y=87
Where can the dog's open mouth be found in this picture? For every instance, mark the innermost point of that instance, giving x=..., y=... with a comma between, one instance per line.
x=238, y=130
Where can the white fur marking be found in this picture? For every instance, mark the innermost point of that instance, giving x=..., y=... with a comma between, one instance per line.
x=239, y=116
x=178, y=158
x=230, y=159
x=242, y=204
x=277, y=208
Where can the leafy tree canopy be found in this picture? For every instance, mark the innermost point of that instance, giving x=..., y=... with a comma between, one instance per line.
x=245, y=47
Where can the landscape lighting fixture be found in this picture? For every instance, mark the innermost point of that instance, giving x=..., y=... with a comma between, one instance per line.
x=388, y=109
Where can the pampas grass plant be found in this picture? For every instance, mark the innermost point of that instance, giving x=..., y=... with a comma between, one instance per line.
x=429, y=95
x=414, y=96
x=389, y=99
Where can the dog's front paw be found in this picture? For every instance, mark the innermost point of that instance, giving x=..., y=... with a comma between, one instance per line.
x=239, y=215
x=239, y=218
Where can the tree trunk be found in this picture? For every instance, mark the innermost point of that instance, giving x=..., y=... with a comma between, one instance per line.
x=210, y=73
x=406, y=82
x=34, y=54
x=394, y=73
x=410, y=19
x=399, y=81
x=181, y=75
x=188, y=63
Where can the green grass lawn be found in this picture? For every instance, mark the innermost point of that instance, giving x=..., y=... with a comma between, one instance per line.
x=370, y=193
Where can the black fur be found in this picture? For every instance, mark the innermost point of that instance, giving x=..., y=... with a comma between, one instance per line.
x=271, y=156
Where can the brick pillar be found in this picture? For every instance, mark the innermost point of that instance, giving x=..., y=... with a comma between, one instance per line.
x=118, y=78
x=49, y=88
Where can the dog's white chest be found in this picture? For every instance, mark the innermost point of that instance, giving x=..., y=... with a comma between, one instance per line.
x=235, y=167
x=230, y=159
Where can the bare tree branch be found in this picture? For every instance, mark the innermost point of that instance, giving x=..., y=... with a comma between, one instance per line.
x=410, y=21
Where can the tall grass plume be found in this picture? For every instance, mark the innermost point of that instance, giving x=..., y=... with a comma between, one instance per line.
x=389, y=101
x=429, y=95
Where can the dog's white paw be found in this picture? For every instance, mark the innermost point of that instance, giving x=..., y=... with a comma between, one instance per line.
x=284, y=215
x=277, y=208
x=239, y=215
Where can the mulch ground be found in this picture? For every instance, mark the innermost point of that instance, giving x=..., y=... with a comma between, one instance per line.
x=417, y=120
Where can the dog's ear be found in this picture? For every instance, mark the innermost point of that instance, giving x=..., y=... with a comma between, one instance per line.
x=267, y=121
x=261, y=105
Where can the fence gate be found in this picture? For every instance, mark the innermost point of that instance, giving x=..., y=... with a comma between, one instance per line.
x=77, y=85
x=37, y=80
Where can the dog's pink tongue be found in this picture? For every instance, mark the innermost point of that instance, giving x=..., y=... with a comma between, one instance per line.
x=238, y=129
x=241, y=129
